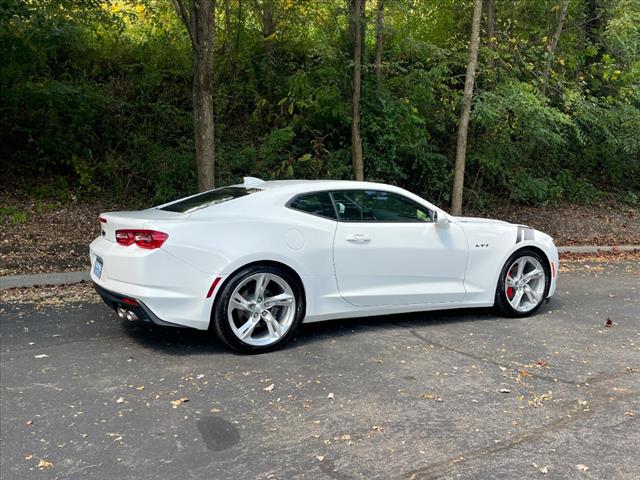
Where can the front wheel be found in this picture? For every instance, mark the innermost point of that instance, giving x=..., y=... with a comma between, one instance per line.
x=258, y=309
x=523, y=284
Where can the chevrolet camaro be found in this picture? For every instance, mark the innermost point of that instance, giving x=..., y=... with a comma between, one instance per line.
x=252, y=261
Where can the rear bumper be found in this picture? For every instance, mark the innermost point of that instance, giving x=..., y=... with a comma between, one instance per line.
x=169, y=290
x=143, y=313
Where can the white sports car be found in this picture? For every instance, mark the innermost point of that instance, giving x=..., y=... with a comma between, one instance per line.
x=252, y=261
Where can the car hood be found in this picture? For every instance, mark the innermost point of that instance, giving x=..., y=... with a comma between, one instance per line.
x=480, y=220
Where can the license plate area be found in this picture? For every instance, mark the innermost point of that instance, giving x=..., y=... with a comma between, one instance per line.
x=97, y=267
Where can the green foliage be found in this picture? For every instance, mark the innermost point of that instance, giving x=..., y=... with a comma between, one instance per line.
x=95, y=99
x=12, y=214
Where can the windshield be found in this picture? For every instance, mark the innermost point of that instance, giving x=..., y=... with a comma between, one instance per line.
x=207, y=199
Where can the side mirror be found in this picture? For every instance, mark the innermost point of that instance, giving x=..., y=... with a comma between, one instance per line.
x=441, y=220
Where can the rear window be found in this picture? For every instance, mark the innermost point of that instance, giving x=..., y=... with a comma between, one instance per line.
x=207, y=199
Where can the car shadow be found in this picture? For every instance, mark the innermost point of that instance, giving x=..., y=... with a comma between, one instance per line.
x=311, y=332
x=183, y=341
x=173, y=341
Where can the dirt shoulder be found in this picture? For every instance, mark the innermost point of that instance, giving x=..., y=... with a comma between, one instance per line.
x=51, y=236
x=47, y=236
x=609, y=224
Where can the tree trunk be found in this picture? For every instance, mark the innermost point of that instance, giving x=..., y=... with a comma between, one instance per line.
x=379, y=41
x=268, y=29
x=491, y=22
x=199, y=21
x=552, y=46
x=356, y=137
x=461, y=147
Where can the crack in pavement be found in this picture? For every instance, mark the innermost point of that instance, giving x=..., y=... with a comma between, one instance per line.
x=485, y=359
x=443, y=468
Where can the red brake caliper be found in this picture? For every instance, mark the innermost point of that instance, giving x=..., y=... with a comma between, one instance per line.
x=510, y=290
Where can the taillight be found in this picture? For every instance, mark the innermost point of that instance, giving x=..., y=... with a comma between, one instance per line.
x=102, y=219
x=148, y=239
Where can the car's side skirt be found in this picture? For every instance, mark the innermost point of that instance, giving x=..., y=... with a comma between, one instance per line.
x=396, y=309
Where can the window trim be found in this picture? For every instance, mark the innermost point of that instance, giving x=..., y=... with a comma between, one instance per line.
x=295, y=197
x=430, y=211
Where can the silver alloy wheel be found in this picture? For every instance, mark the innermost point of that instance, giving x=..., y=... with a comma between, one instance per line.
x=261, y=309
x=524, y=284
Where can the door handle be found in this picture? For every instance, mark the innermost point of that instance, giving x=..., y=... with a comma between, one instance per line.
x=358, y=238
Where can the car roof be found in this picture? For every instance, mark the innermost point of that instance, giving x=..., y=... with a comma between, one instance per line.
x=302, y=186
x=278, y=192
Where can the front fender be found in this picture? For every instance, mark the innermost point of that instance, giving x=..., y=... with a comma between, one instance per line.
x=490, y=246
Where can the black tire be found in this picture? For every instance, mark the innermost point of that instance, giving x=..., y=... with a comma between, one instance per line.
x=220, y=322
x=502, y=304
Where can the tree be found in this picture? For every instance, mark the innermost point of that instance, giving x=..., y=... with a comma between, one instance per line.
x=461, y=147
x=379, y=41
x=198, y=17
x=552, y=46
x=265, y=11
x=357, y=21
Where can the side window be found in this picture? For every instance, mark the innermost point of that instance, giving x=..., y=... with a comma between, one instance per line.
x=318, y=203
x=378, y=206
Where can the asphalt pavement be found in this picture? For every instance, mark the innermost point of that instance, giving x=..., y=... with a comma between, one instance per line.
x=458, y=394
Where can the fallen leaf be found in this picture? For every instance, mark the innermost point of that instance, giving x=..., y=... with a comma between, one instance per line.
x=330, y=396
x=544, y=469
x=524, y=373
x=178, y=402
x=542, y=362
x=120, y=400
x=582, y=468
x=538, y=400
x=42, y=355
x=504, y=369
x=44, y=464
x=269, y=388
x=320, y=457
x=608, y=323
x=141, y=387
x=30, y=422
x=215, y=410
x=431, y=396
x=629, y=414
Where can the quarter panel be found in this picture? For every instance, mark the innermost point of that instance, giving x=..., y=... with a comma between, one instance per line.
x=298, y=240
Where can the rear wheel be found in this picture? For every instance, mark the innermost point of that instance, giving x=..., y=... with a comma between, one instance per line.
x=258, y=309
x=523, y=284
